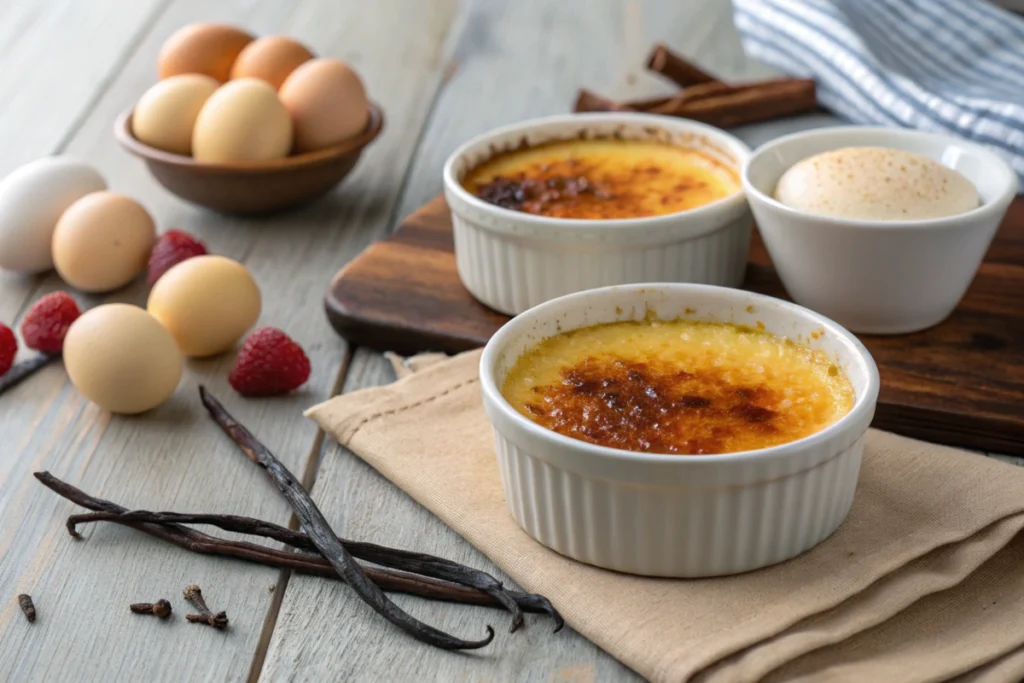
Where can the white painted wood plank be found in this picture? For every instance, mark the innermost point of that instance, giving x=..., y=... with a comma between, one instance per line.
x=57, y=56
x=173, y=457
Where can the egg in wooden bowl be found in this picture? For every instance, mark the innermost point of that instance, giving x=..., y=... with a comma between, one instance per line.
x=677, y=429
x=262, y=126
x=253, y=187
x=568, y=203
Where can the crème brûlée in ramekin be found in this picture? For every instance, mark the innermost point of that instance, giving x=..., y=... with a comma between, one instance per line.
x=677, y=429
x=678, y=387
x=564, y=204
x=595, y=179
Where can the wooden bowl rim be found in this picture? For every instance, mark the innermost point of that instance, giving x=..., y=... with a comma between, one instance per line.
x=352, y=145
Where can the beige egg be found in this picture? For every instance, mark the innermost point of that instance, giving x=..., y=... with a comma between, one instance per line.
x=243, y=121
x=271, y=59
x=207, y=303
x=102, y=242
x=327, y=101
x=208, y=49
x=119, y=357
x=166, y=114
x=876, y=183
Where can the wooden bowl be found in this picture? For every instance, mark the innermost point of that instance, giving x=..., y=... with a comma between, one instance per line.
x=256, y=187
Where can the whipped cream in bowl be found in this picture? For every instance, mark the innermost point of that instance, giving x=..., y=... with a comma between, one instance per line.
x=880, y=229
x=877, y=184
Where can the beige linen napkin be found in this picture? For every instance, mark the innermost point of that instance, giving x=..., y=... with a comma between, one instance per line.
x=924, y=581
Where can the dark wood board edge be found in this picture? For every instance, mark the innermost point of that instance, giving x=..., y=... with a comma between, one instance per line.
x=949, y=429
x=403, y=340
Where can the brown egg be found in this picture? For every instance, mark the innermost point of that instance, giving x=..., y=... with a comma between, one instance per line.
x=327, y=101
x=102, y=242
x=165, y=115
x=207, y=303
x=208, y=49
x=243, y=121
x=271, y=59
x=121, y=358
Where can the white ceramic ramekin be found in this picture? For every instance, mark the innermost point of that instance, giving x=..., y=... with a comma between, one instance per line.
x=511, y=260
x=671, y=515
x=878, y=277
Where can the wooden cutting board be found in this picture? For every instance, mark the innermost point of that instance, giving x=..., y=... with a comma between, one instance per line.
x=959, y=383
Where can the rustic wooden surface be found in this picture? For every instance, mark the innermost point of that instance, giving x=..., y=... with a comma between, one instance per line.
x=958, y=383
x=443, y=71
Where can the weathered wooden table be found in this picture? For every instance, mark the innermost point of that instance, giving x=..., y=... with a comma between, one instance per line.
x=443, y=71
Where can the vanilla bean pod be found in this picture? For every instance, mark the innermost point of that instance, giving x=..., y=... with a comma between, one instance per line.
x=199, y=542
x=22, y=370
x=417, y=563
x=325, y=540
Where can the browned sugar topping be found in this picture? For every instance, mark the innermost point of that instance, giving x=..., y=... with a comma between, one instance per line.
x=658, y=407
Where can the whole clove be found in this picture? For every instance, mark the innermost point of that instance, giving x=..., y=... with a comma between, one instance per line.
x=199, y=542
x=27, y=607
x=325, y=540
x=160, y=608
x=194, y=595
x=21, y=370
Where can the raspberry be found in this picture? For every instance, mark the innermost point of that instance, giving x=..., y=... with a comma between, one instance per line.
x=47, y=322
x=269, y=363
x=171, y=248
x=8, y=348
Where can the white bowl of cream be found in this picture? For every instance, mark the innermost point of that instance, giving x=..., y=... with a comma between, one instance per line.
x=880, y=229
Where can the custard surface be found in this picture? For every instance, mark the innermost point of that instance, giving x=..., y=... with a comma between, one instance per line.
x=601, y=179
x=678, y=387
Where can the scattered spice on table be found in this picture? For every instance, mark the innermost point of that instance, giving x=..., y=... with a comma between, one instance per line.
x=161, y=608
x=27, y=607
x=195, y=595
x=322, y=552
x=418, y=563
x=388, y=579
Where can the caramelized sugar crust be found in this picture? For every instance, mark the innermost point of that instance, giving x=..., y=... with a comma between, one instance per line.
x=678, y=388
x=601, y=179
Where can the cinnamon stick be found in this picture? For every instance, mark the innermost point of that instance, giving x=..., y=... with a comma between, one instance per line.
x=720, y=104
x=753, y=103
x=668, y=105
x=591, y=101
x=675, y=68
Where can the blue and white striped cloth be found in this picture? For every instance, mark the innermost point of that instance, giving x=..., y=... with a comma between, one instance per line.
x=953, y=66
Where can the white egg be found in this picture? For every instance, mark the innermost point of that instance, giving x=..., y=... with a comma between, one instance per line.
x=32, y=198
